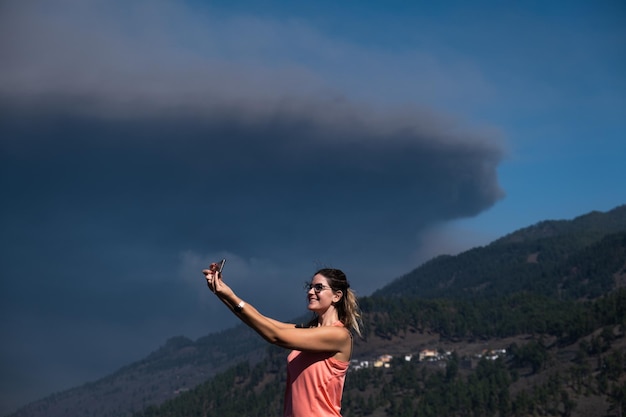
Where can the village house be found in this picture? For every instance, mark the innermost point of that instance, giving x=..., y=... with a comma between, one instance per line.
x=428, y=355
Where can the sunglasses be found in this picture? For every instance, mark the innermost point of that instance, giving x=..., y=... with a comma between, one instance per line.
x=318, y=288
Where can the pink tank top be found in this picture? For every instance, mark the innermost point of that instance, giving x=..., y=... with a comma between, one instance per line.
x=314, y=384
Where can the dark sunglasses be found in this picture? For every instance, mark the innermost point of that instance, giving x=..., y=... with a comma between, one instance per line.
x=318, y=288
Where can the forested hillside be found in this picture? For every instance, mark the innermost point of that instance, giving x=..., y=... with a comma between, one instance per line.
x=532, y=324
x=561, y=259
x=548, y=368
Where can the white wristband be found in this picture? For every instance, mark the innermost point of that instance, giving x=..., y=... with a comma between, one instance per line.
x=239, y=307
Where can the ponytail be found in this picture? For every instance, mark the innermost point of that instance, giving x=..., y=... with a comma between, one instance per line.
x=348, y=306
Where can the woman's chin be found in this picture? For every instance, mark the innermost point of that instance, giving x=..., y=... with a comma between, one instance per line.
x=313, y=305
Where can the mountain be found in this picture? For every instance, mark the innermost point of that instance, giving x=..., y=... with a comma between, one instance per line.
x=175, y=367
x=549, y=294
x=564, y=259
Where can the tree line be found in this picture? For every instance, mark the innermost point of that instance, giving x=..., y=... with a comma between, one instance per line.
x=413, y=389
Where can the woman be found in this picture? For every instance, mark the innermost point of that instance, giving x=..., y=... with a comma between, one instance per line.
x=321, y=350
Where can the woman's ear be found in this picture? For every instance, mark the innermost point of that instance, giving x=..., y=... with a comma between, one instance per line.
x=337, y=296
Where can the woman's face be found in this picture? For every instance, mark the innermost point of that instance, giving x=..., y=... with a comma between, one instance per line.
x=321, y=296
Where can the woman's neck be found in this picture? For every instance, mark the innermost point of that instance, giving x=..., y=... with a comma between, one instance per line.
x=328, y=318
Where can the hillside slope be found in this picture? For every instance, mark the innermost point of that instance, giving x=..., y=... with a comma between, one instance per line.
x=179, y=365
x=541, y=259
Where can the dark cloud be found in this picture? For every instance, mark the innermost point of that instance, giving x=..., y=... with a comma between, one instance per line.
x=123, y=176
x=362, y=181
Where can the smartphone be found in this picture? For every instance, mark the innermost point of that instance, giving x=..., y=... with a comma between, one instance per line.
x=221, y=265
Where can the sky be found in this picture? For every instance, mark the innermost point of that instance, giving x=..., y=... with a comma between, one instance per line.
x=142, y=140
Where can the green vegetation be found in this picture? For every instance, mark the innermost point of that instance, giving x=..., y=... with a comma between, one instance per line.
x=417, y=389
x=521, y=313
x=558, y=259
x=240, y=391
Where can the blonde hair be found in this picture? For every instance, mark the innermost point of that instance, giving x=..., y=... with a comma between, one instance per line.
x=348, y=306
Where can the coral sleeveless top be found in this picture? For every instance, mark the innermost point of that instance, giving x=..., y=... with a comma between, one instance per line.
x=314, y=384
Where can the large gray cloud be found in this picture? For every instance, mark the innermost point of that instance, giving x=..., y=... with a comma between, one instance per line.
x=315, y=178
x=128, y=163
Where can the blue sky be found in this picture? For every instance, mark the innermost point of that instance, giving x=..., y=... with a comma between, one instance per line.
x=140, y=141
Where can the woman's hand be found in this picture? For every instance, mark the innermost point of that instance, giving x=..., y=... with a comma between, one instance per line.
x=214, y=281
